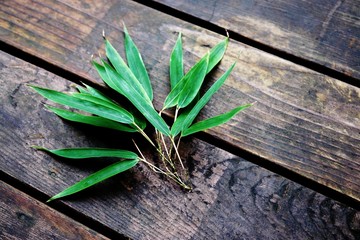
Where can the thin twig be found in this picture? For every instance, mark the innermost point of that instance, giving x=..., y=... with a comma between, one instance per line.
x=177, y=152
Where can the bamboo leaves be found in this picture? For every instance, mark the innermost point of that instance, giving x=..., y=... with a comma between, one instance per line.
x=136, y=64
x=139, y=102
x=131, y=80
x=80, y=153
x=97, y=177
x=185, y=119
x=98, y=108
x=91, y=120
x=176, y=63
x=214, y=121
x=187, y=88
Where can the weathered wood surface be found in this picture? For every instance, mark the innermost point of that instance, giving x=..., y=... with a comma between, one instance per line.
x=22, y=217
x=303, y=121
x=325, y=32
x=232, y=198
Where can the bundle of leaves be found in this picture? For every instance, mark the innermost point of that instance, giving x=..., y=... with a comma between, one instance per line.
x=132, y=81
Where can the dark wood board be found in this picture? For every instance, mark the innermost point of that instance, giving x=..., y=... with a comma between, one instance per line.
x=303, y=121
x=232, y=198
x=22, y=217
x=324, y=32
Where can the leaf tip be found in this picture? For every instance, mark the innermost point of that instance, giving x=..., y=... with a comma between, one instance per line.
x=38, y=147
x=125, y=29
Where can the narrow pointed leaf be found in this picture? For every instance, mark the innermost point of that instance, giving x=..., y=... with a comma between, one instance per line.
x=195, y=76
x=187, y=117
x=136, y=64
x=144, y=106
x=123, y=70
x=81, y=89
x=98, y=94
x=176, y=63
x=97, y=177
x=102, y=73
x=88, y=106
x=193, y=85
x=92, y=120
x=97, y=97
x=100, y=101
x=214, y=57
x=117, y=87
x=217, y=53
x=80, y=153
x=214, y=121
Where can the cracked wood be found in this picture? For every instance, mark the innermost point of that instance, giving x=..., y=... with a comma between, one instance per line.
x=303, y=121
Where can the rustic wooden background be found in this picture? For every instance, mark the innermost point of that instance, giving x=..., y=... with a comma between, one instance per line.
x=299, y=61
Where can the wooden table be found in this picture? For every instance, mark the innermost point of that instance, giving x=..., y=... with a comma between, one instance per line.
x=287, y=168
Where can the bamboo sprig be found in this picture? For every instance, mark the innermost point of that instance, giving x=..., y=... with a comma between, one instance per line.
x=132, y=81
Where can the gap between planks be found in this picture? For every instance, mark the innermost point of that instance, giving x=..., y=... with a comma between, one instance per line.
x=60, y=207
x=251, y=42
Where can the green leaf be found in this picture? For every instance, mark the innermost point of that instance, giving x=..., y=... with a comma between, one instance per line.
x=79, y=153
x=217, y=53
x=136, y=64
x=91, y=120
x=193, y=85
x=81, y=89
x=97, y=177
x=95, y=108
x=214, y=121
x=90, y=98
x=98, y=94
x=103, y=74
x=187, y=88
x=176, y=63
x=124, y=71
x=139, y=119
x=144, y=106
x=186, y=118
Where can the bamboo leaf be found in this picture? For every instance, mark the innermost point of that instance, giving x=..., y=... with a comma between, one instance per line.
x=176, y=63
x=92, y=120
x=193, y=85
x=136, y=64
x=117, y=87
x=123, y=70
x=214, y=121
x=188, y=85
x=81, y=89
x=139, y=119
x=90, y=98
x=95, y=108
x=217, y=53
x=144, y=106
x=80, y=153
x=98, y=94
x=102, y=73
x=187, y=117
x=97, y=177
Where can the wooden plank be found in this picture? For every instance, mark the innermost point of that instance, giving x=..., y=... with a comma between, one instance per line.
x=325, y=32
x=232, y=198
x=303, y=121
x=22, y=217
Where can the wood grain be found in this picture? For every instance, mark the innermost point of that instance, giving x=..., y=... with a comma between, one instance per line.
x=325, y=32
x=232, y=198
x=303, y=121
x=22, y=217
